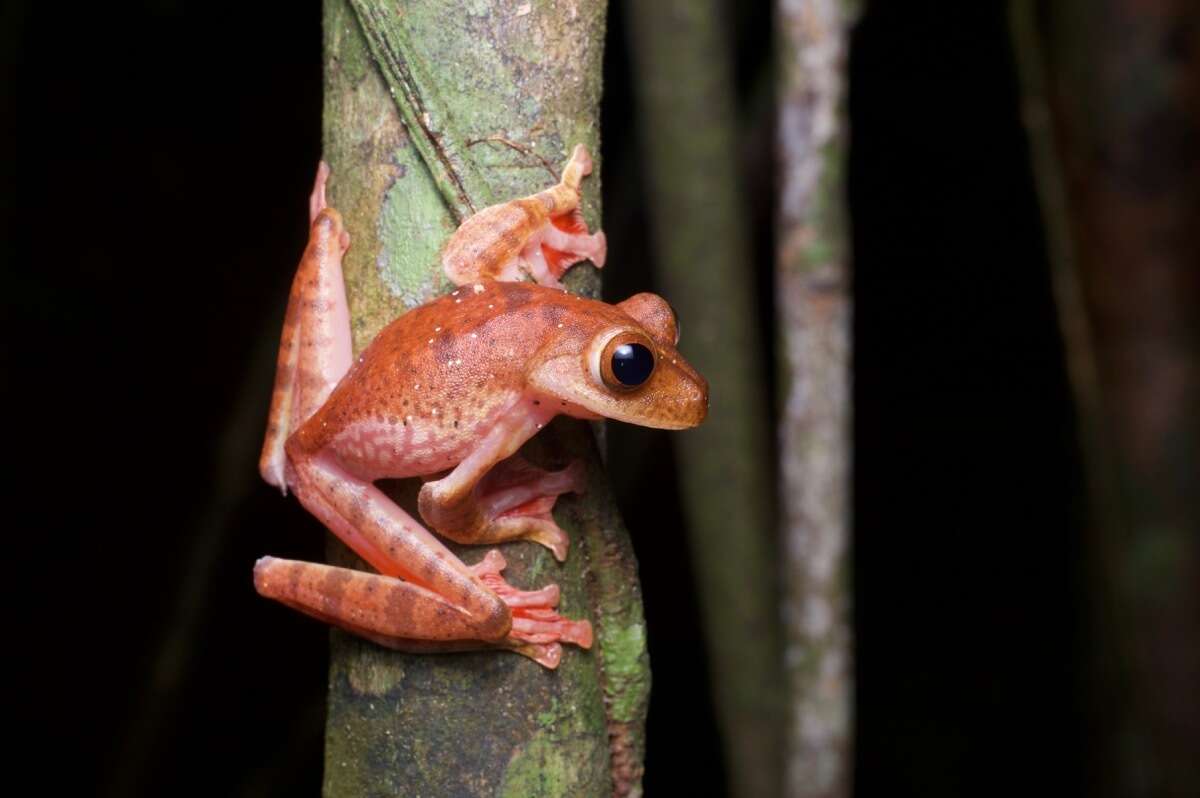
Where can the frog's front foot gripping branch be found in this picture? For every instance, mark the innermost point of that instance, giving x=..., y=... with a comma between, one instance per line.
x=512, y=501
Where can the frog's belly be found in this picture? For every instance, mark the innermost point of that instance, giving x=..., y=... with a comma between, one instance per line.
x=398, y=448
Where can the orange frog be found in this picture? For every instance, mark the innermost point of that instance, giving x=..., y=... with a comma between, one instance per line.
x=448, y=392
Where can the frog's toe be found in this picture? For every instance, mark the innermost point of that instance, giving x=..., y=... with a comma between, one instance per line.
x=537, y=628
x=536, y=528
x=546, y=655
x=552, y=628
x=520, y=601
x=316, y=200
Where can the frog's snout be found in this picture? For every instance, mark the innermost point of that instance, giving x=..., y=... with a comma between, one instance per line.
x=697, y=398
x=686, y=395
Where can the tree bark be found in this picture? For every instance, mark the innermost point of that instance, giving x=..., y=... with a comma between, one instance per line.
x=409, y=90
x=814, y=307
x=689, y=141
x=1112, y=103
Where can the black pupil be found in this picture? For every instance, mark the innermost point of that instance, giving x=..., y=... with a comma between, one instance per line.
x=632, y=364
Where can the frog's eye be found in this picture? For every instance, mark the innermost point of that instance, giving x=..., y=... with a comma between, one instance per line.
x=626, y=361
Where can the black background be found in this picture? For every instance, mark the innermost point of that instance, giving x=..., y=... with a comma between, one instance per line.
x=157, y=161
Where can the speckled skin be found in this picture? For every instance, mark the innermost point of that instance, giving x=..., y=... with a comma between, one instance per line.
x=433, y=381
x=455, y=385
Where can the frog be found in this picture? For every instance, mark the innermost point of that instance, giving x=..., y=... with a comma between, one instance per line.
x=448, y=392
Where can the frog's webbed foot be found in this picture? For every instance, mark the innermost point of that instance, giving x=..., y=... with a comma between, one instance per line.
x=537, y=629
x=513, y=501
x=517, y=497
x=401, y=615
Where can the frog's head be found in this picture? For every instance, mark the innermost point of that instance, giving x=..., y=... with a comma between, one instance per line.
x=626, y=367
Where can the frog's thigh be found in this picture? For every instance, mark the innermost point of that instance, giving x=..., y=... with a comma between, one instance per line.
x=366, y=604
x=396, y=545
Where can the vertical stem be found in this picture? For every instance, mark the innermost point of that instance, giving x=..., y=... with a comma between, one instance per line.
x=483, y=723
x=813, y=285
x=690, y=145
x=1112, y=98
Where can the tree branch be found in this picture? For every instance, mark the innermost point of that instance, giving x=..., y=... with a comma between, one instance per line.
x=814, y=306
x=490, y=722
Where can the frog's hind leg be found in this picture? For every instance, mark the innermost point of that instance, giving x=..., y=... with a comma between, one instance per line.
x=315, y=348
x=428, y=593
x=400, y=615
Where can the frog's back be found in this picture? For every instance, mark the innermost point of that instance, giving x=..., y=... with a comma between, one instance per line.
x=438, y=377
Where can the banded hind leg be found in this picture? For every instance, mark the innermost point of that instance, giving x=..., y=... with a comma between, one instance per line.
x=423, y=594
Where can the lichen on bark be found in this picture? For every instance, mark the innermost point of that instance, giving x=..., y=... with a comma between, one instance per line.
x=407, y=88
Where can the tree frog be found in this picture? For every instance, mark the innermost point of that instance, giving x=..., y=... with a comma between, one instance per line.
x=448, y=392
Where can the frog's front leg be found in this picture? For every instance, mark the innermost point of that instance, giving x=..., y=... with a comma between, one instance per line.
x=494, y=496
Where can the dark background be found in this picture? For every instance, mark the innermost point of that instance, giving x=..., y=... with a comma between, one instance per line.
x=157, y=161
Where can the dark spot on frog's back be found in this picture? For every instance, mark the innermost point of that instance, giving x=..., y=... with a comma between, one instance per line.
x=516, y=295
x=443, y=346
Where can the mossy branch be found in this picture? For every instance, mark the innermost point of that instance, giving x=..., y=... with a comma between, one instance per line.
x=489, y=723
x=435, y=138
